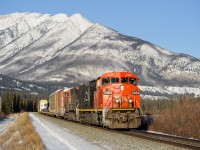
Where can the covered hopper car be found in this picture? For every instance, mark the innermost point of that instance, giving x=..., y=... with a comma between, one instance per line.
x=112, y=100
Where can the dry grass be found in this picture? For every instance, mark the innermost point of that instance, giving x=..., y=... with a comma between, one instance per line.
x=21, y=136
x=183, y=119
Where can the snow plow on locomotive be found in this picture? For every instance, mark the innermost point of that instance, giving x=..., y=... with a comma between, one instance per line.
x=112, y=100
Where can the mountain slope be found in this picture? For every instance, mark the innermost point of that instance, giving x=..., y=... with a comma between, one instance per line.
x=11, y=83
x=45, y=48
x=43, y=89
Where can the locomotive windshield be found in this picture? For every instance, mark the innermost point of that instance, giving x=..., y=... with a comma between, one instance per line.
x=124, y=80
x=129, y=80
x=115, y=80
x=106, y=81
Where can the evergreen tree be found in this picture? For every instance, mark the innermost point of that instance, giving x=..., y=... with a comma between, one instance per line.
x=15, y=104
x=35, y=102
x=21, y=105
x=8, y=103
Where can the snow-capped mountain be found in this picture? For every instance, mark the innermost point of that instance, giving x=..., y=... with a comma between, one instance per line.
x=71, y=49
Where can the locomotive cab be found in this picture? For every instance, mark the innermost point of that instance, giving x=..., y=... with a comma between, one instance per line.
x=118, y=95
x=118, y=90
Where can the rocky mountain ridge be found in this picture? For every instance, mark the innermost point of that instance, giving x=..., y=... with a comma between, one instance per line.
x=72, y=50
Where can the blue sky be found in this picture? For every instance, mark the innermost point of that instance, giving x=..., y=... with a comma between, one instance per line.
x=171, y=24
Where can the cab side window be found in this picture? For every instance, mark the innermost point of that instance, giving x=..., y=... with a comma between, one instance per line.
x=105, y=81
x=133, y=81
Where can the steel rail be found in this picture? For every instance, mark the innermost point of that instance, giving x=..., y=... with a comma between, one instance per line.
x=168, y=139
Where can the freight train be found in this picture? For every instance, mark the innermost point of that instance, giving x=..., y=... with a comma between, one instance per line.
x=112, y=100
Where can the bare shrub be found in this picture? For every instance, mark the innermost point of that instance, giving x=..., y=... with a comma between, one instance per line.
x=147, y=120
x=21, y=135
x=182, y=119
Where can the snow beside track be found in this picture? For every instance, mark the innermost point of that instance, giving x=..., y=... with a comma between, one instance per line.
x=6, y=123
x=55, y=137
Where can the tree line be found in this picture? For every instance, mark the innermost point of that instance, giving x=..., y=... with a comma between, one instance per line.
x=14, y=102
x=151, y=106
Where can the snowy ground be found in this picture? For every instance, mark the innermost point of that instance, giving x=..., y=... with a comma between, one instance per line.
x=55, y=137
x=6, y=123
x=61, y=134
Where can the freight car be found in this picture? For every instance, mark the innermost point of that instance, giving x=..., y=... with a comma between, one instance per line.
x=42, y=105
x=57, y=102
x=112, y=100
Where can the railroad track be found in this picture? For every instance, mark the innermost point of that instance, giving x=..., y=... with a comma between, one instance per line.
x=161, y=138
x=168, y=139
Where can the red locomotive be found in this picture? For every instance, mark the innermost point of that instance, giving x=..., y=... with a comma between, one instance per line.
x=112, y=100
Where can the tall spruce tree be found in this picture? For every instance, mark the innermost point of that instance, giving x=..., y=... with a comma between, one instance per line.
x=8, y=103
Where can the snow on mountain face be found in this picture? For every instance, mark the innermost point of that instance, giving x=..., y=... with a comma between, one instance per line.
x=71, y=49
x=40, y=43
x=10, y=83
x=167, y=91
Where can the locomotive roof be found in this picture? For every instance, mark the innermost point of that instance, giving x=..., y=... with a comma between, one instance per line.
x=121, y=74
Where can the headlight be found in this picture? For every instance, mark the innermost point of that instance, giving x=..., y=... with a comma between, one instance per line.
x=117, y=101
x=130, y=101
x=107, y=92
x=122, y=87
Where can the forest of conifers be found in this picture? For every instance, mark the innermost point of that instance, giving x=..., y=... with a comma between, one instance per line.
x=14, y=102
